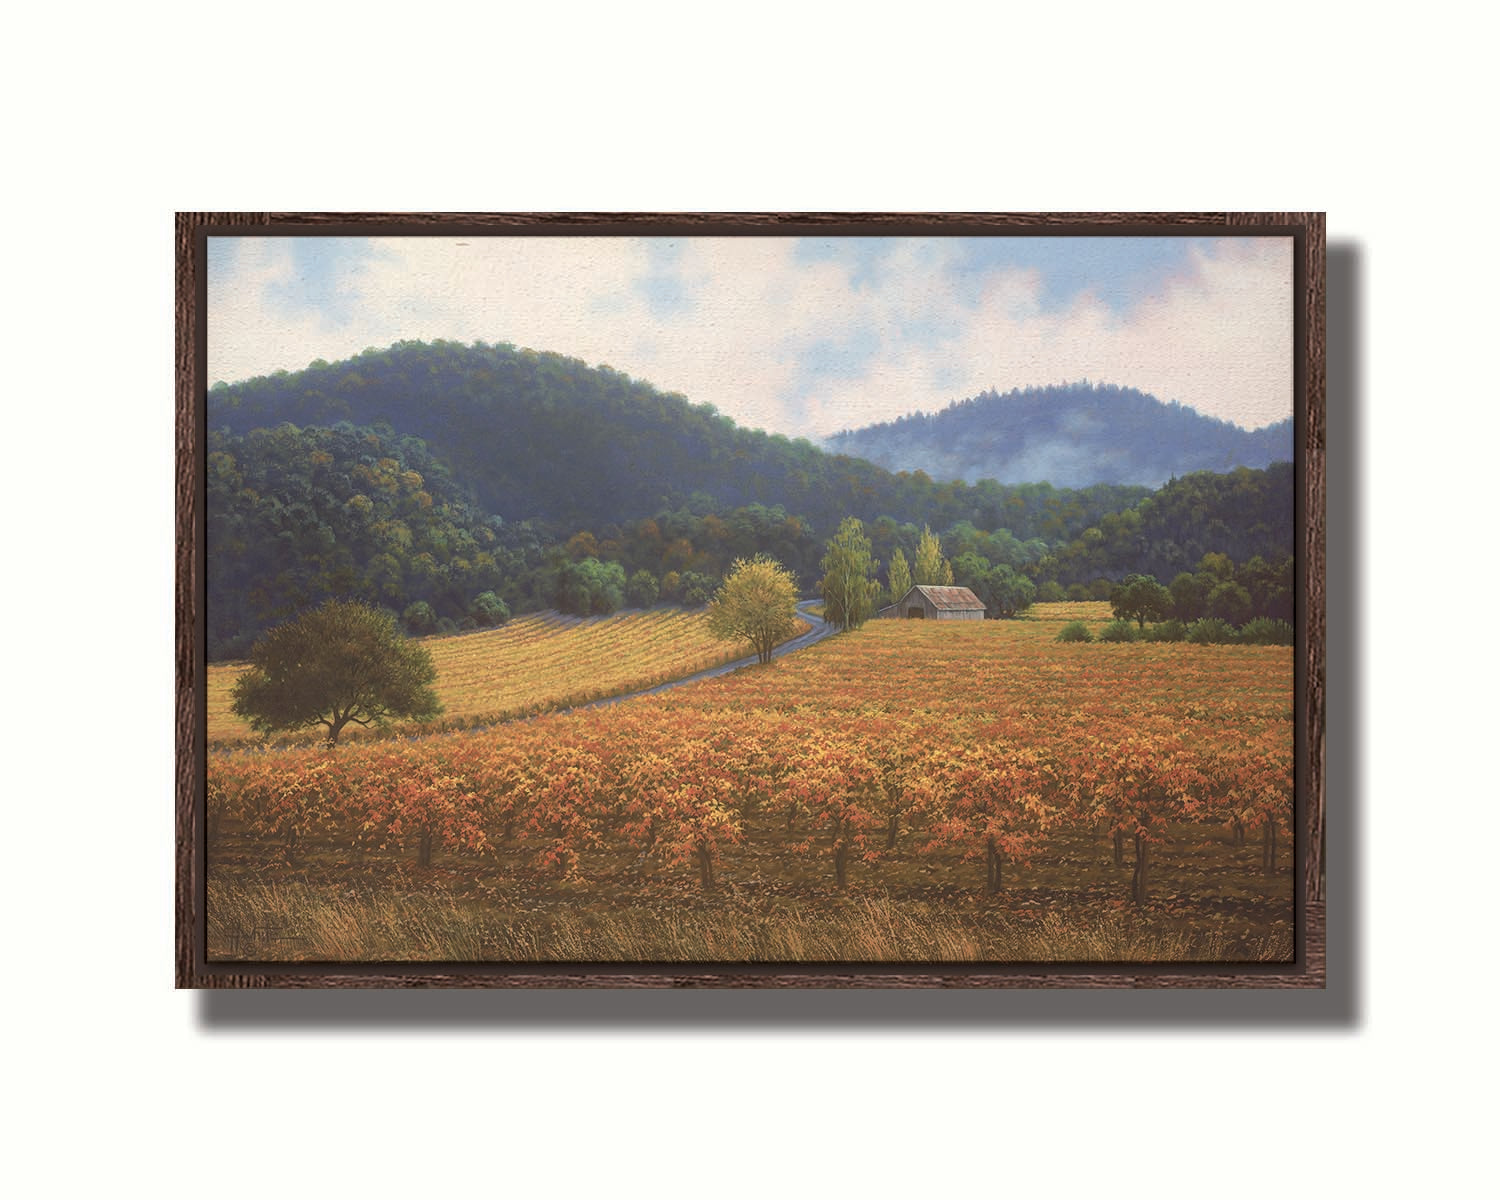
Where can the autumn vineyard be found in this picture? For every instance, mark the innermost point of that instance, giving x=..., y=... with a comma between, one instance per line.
x=540, y=662
x=907, y=791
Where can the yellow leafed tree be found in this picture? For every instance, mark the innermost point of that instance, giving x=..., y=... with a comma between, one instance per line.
x=900, y=576
x=757, y=604
x=931, y=567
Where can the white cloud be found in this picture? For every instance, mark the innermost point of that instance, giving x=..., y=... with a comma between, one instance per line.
x=246, y=334
x=1215, y=336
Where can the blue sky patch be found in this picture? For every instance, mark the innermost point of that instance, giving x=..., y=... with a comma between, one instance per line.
x=1120, y=271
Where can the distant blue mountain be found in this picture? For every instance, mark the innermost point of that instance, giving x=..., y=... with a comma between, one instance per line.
x=1072, y=435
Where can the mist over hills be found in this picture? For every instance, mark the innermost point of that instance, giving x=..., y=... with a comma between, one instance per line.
x=1069, y=435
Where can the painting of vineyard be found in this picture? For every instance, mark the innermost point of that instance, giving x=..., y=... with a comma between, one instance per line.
x=780, y=600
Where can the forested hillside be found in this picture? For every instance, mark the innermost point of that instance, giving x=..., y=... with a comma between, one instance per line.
x=457, y=485
x=1244, y=514
x=542, y=437
x=298, y=515
x=1072, y=436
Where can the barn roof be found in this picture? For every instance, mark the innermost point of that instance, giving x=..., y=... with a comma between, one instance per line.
x=949, y=599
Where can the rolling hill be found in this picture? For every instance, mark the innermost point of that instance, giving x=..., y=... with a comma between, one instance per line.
x=544, y=438
x=451, y=484
x=1073, y=435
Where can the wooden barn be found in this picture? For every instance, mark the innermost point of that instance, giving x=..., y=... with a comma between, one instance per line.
x=929, y=603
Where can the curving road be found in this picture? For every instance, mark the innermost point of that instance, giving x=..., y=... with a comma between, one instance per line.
x=819, y=630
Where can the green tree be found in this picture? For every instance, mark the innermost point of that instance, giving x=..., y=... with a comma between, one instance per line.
x=642, y=590
x=1188, y=594
x=931, y=567
x=1220, y=566
x=900, y=575
x=488, y=609
x=696, y=589
x=1230, y=602
x=970, y=570
x=848, y=586
x=420, y=617
x=341, y=663
x=1008, y=592
x=757, y=604
x=1050, y=592
x=589, y=587
x=1140, y=599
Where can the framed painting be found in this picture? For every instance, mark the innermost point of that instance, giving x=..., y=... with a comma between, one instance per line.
x=750, y=600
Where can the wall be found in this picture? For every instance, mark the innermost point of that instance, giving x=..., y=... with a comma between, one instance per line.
x=1370, y=1089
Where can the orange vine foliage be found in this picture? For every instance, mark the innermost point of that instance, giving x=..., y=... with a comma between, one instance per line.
x=981, y=739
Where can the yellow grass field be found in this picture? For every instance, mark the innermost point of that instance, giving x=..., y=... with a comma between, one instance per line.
x=1091, y=612
x=537, y=663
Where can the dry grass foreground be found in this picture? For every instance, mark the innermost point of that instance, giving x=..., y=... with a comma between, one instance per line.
x=891, y=688
x=295, y=921
x=534, y=664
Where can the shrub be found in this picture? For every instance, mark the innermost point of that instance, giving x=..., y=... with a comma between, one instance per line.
x=1264, y=631
x=1211, y=631
x=589, y=588
x=1166, y=631
x=1075, y=631
x=487, y=609
x=642, y=591
x=420, y=617
x=697, y=589
x=1118, y=630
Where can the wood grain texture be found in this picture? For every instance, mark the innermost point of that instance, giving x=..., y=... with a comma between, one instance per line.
x=640, y=223
x=191, y=967
x=190, y=445
x=1312, y=382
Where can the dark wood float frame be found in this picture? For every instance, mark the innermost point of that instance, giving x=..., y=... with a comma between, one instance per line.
x=1308, y=969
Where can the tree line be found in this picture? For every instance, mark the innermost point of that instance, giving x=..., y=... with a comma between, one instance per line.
x=1243, y=514
x=1071, y=434
x=549, y=439
x=298, y=514
x=1219, y=589
x=295, y=516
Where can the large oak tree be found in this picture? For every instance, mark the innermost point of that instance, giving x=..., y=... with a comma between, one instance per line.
x=340, y=663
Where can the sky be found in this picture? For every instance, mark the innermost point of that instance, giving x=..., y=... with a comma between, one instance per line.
x=802, y=336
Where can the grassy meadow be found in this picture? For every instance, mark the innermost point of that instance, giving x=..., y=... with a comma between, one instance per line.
x=843, y=804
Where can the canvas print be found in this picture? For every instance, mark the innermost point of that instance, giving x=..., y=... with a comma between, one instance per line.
x=750, y=599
